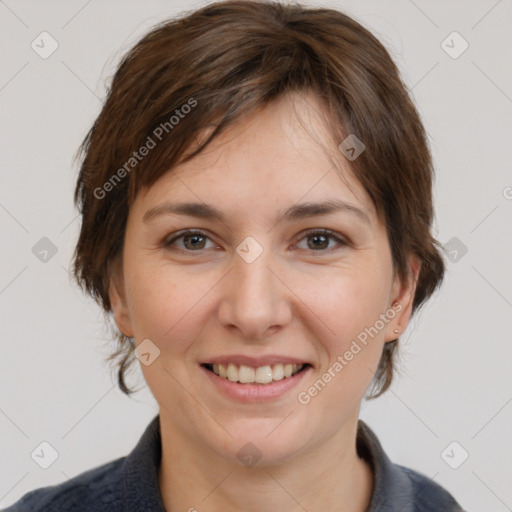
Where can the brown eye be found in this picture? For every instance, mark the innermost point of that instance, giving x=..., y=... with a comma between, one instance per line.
x=319, y=240
x=191, y=241
x=196, y=241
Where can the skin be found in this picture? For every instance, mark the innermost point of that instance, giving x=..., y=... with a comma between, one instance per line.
x=295, y=299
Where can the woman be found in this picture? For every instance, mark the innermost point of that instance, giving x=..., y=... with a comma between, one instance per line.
x=256, y=200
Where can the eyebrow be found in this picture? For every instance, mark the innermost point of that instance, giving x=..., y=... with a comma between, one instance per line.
x=294, y=213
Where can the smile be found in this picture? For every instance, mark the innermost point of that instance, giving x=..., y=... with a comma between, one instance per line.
x=250, y=375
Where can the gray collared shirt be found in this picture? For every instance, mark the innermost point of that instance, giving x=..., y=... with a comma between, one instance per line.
x=130, y=484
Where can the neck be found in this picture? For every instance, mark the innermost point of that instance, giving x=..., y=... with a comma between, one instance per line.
x=328, y=477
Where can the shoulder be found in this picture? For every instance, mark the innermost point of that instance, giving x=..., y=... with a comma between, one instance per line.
x=98, y=489
x=127, y=483
x=428, y=496
x=397, y=487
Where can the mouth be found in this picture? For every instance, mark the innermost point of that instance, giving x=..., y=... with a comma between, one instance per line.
x=263, y=375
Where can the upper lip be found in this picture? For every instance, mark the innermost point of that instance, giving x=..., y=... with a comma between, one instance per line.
x=255, y=362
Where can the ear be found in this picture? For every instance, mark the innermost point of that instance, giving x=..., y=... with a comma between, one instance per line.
x=118, y=302
x=402, y=299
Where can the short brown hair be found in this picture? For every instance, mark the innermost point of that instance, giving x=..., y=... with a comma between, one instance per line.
x=224, y=61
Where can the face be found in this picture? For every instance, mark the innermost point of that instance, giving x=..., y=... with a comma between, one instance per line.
x=254, y=288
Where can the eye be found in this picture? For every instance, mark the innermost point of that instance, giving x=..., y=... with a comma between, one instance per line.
x=192, y=241
x=195, y=241
x=320, y=240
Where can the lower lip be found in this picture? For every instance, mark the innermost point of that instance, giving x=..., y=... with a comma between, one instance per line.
x=255, y=392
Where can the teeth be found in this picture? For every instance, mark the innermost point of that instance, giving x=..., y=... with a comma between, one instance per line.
x=223, y=371
x=232, y=373
x=277, y=372
x=246, y=374
x=261, y=375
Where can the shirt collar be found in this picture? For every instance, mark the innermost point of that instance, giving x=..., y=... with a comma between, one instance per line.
x=141, y=487
x=392, y=488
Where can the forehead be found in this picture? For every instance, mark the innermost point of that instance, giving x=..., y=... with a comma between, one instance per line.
x=281, y=154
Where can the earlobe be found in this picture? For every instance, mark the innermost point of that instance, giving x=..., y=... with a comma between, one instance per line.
x=118, y=303
x=402, y=300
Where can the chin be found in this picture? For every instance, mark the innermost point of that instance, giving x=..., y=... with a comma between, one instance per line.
x=268, y=441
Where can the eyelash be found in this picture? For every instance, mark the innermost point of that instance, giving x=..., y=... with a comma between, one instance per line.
x=311, y=233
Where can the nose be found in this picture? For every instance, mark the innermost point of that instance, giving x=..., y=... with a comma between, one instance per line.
x=254, y=298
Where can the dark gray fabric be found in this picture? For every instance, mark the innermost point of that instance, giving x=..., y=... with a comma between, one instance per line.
x=397, y=488
x=130, y=484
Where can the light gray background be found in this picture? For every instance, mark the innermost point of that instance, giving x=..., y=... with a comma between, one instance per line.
x=455, y=383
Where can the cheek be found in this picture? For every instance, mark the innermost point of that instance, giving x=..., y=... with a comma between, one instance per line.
x=170, y=305
x=161, y=302
x=351, y=308
x=348, y=302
